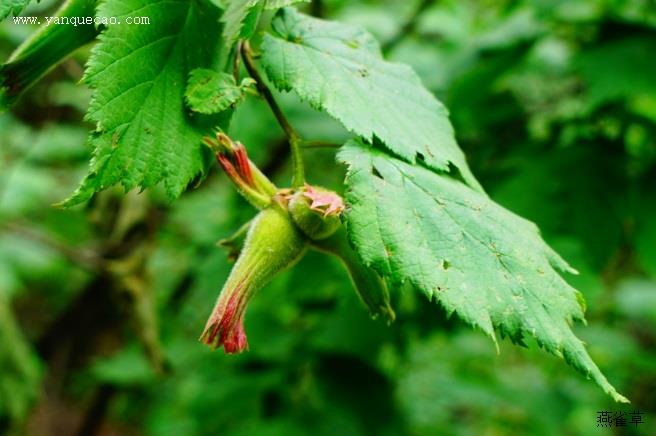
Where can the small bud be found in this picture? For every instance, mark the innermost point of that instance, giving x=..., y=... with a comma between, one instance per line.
x=273, y=244
x=316, y=211
x=251, y=183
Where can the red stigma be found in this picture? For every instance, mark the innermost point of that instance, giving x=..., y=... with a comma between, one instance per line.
x=227, y=322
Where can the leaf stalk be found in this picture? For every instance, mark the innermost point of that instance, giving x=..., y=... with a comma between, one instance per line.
x=294, y=139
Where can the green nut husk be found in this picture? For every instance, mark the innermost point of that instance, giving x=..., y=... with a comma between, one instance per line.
x=316, y=211
x=272, y=245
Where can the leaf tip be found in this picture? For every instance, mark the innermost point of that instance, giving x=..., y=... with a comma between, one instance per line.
x=619, y=398
x=83, y=193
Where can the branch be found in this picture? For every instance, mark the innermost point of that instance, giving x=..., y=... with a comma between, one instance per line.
x=298, y=178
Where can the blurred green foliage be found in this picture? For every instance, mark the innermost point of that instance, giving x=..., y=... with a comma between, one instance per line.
x=554, y=103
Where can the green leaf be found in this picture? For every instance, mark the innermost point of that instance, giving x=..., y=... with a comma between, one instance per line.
x=47, y=47
x=240, y=17
x=144, y=134
x=211, y=92
x=338, y=68
x=476, y=258
x=15, y=7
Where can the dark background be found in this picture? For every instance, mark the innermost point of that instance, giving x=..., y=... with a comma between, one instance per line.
x=554, y=103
